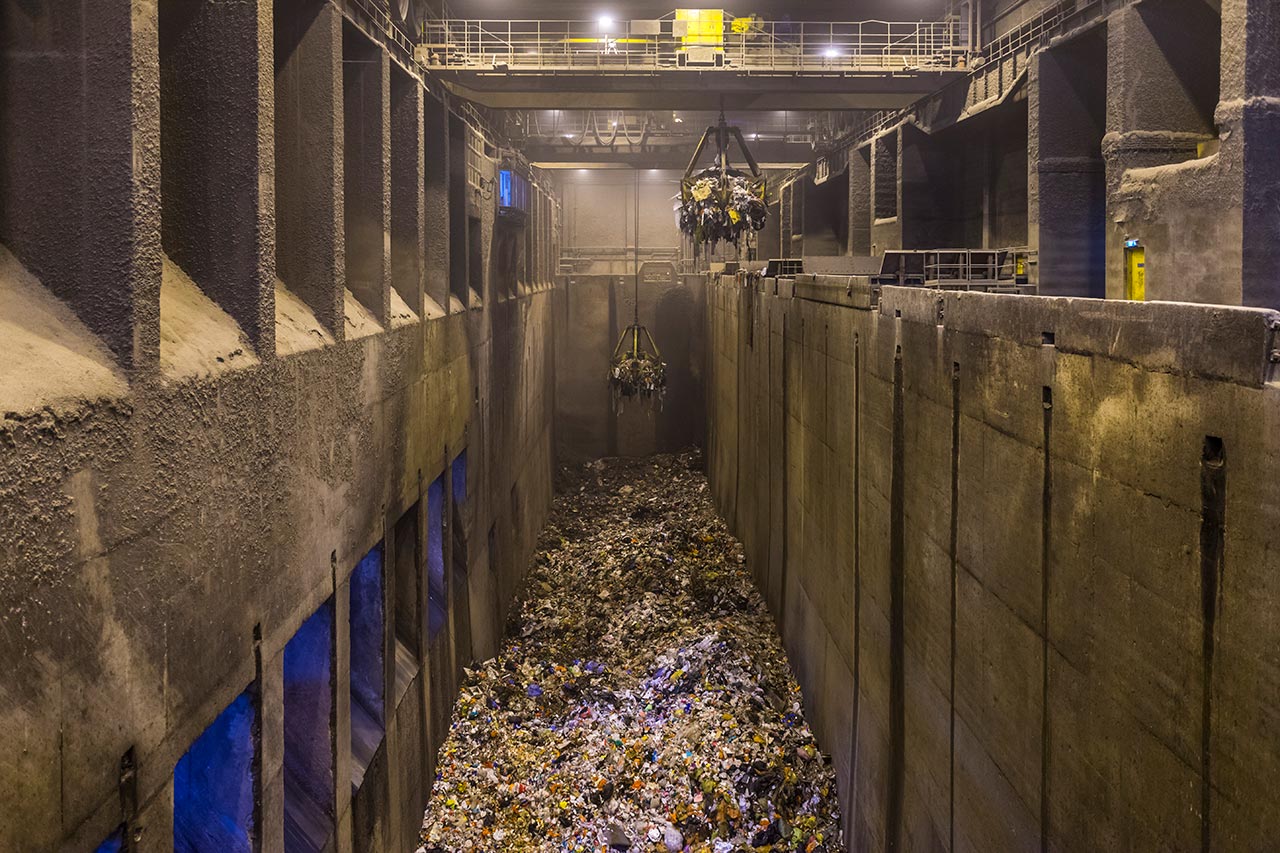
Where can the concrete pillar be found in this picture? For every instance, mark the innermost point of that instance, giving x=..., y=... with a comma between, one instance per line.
x=456, y=153
x=826, y=215
x=436, y=204
x=80, y=162
x=1066, y=98
x=860, y=201
x=342, y=811
x=271, y=740
x=366, y=100
x=769, y=241
x=1162, y=84
x=799, y=195
x=886, y=196
x=925, y=175
x=309, y=180
x=217, y=126
x=785, y=225
x=1250, y=111
x=408, y=189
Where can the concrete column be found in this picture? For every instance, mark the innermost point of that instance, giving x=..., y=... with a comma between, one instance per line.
x=310, y=243
x=80, y=162
x=924, y=182
x=456, y=153
x=799, y=195
x=860, y=201
x=785, y=227
x=408, y=189
x=1250, y=110
x=1162, y=84
x=826, y=216
x=1066, y=97
x=886, y=196
x=366, y=99
x=342, y=821
x=436, y=204
x=271, y=761
x=217, y=126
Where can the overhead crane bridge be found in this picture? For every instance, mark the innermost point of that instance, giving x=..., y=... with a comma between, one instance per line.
x=686, y=59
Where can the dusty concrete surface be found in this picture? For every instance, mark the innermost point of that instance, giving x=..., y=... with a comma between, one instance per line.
x=147, y=536
x=53, y=360
x=990, y=529
x=197, y=338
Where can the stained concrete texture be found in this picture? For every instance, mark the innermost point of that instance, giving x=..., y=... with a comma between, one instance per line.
x=992, y=530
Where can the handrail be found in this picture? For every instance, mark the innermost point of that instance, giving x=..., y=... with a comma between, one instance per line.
x=476, y=44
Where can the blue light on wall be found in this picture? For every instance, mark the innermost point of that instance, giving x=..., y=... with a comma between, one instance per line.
x=460, y=478
x=504, y=188
x=437, y=602
x=367, y=683
x=113, y=844
x=213, y=785
x=308, y=742
x=513, y=191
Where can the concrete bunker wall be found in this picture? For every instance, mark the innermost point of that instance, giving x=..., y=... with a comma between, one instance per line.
x=987, y=526
x=167, y=528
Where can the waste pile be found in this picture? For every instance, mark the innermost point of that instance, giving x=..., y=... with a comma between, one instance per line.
x=708, y=216
x=639, y=375
x=641, y=701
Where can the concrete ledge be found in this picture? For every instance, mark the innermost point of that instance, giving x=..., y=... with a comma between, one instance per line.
x=850, y=291
x=914, y=304
x=1209, y=341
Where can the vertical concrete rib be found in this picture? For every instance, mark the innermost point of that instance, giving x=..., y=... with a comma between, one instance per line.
x=271, y=763
x=408, y=188
x=897, y=615
x=340, y=730
x=954, y=553
x=436, y=203
x=80, y=162
x=366, y=105
x=860, y=201
x=857, y=584
x=1046, y=541
x=217, y=126
x=310, y=243
x=1213, y=506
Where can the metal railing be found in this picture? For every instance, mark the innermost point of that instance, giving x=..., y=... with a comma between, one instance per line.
x=1023, y=40
x=660, y=45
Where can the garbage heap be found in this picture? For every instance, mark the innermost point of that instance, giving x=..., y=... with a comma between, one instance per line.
x=641, y=700
x=707, y=216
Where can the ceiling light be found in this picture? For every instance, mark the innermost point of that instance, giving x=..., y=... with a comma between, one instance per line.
x=831, y=53
x=605, y=22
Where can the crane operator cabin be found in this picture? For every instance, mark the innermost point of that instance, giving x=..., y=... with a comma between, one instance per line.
x=590, y=426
